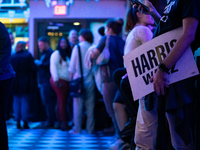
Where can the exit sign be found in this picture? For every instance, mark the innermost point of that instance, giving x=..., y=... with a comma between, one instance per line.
x=60, y=10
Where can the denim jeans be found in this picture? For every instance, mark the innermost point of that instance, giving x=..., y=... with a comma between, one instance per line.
x=48, y=97
x=21, y=106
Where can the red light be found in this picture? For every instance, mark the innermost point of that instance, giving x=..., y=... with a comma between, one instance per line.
x=60, y=10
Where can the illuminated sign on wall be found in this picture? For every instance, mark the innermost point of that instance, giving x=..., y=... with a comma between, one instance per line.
x=60, y=10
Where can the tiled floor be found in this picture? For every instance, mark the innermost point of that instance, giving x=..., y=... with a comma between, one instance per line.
x=54, y=139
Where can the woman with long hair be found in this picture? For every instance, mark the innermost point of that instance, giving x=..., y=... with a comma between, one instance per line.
x=59, y=64
x=138, y=26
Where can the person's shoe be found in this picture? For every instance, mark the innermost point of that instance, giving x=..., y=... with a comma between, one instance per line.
x=129, y=128
x=25, y=125
x=72, y=131
x=64, y=126
x=115, y=145
x=18, y=125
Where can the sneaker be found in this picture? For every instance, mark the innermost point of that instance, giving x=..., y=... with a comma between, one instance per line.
x=19, y=125
x=115, y=145
x=73, y=132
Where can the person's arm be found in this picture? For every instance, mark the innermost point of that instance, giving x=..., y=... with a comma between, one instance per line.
x=153, y=12
x=94, y=54
x=99, y=49
x=45, y=63
x=54, y=60
x=160, y=79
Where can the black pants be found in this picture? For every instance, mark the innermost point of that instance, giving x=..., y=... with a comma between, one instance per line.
x=125, y=89
x=4, y=96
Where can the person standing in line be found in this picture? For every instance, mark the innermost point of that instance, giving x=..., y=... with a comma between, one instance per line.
x=25, y=68
x=116, y=48
x=137, y=27
x=47, y=93
x=87, y=100
x=6, y=76
x=60, y=77
x=73, y=38
x=178, y=97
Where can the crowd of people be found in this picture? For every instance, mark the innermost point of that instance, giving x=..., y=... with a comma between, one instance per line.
x=136, y=124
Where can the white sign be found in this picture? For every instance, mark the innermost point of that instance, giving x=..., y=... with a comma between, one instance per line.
x=142, y=63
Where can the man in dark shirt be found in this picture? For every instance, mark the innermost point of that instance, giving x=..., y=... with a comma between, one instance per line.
x=47, y=94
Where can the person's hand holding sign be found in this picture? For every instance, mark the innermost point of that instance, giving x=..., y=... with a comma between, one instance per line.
x=160, y=81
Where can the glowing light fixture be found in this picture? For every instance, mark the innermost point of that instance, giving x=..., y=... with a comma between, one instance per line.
x=48, y=2
x=22, y=3
x=76, y=23
x=67, y=3
x=53, y=3
x=71, y=2
x=11, y=14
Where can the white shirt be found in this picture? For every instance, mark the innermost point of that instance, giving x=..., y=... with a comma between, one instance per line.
x=138, y=35
x=59, y=67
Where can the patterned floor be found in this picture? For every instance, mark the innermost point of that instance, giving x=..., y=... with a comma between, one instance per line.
x=54, y=139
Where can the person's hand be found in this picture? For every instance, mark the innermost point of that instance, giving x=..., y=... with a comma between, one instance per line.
x=160, y=81
x=58, y=84
x=37, y=62
x=148, y=4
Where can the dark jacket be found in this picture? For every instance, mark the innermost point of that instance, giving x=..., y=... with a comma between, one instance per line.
x=43, y=69
x=6, y=70
x=25, y=68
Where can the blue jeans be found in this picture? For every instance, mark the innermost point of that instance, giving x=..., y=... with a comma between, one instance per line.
x=21, y=106
x=49, y=100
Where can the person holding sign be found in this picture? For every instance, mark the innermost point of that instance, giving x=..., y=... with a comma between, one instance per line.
x=139, y=26
x=178, y=98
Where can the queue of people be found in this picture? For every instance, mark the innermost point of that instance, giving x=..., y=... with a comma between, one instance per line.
x=136, y=124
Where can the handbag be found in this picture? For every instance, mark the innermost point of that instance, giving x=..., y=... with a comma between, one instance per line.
x=104, y=57
x=76, y=86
